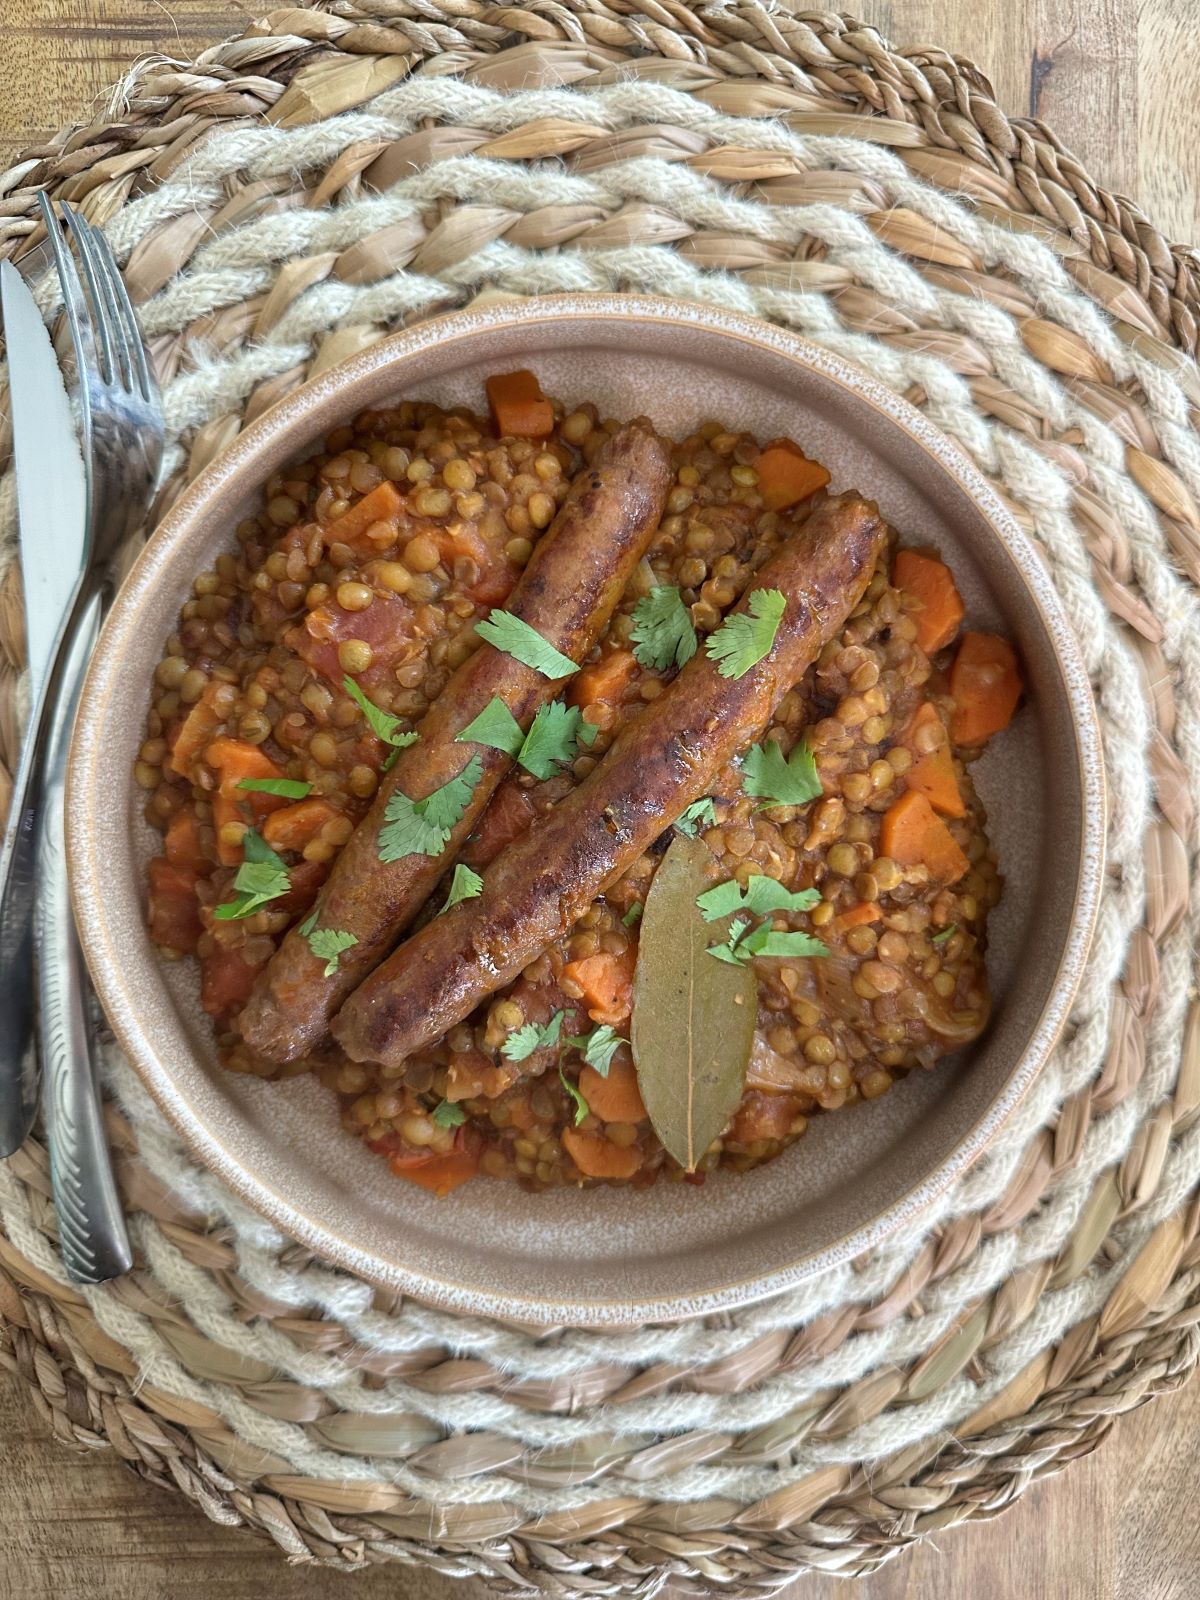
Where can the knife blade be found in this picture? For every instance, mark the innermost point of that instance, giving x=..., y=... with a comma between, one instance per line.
x=51, y=481
x=52, y=494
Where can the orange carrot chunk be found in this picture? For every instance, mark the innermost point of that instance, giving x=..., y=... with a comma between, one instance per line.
x=603, y=681
x=786, y=475
x=299, y=824
x=858, y=916
x=986, y=685
x=174, y=911
x=383, y=504
x=939, y=609
x=615, y=1098
x=932, y=772
x=182, y=842
x=763, y=1116
x=914, y=835
x=198, y=727
x=597, y=1158
x=606, y=980
x=440, y=1173
x=519, y=408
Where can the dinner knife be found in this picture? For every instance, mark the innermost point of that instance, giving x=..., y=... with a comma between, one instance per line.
x=52, y=508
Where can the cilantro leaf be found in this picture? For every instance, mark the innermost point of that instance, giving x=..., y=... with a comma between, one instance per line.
x=778, y=782
x=551, y=740
x=464, y=885
x=422, y=827
x=764, y=941
x=746, y=637
x=700, y=814
x=381, y=723
x=599, y=1047
x=496, y=727
x=521, y=1044
x=634, y=914
x=940, y=938
x=309, y=923
x=290, y=788
x=261, y=878
x=327, y=945
x=446, y=1114
x=581, y=1106
x=762, y=895
x=728, y=952
x=525, y=644
x=663, y=634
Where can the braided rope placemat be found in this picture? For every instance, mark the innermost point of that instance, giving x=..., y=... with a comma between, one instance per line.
x=288, y=199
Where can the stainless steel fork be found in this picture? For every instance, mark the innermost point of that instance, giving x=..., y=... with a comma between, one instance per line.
x=123, y=439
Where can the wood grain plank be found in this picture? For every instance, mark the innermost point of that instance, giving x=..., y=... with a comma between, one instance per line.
x=1116, y=81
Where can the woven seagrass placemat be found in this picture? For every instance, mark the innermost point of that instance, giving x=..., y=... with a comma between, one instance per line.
x=291, y=197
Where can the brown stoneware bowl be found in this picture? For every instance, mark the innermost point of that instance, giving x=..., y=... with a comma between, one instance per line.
x=614, y=1257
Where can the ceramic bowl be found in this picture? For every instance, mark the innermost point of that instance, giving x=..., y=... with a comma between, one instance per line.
x=613, y=1257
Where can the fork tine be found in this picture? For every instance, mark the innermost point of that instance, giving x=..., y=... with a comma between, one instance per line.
x=103, y=313
x=124, y=306
x=74, y=305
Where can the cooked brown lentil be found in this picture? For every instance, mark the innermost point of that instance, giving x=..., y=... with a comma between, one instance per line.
x=251, y=685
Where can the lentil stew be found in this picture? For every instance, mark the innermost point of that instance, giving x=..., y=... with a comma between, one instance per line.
x=309, y=656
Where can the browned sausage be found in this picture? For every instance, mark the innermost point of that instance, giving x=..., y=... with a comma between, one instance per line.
x=658, y=764
x=576, y=576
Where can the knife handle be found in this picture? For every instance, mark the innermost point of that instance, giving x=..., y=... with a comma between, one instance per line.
x=91, y=1225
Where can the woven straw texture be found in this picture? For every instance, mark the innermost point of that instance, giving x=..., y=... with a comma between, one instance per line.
x=291, y=197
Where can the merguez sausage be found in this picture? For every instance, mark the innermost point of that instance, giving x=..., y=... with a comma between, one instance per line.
x=662, y=761
x=575, y=577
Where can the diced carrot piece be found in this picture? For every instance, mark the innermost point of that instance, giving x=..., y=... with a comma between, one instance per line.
x=494, y=576
x=182, y=842
x=763, y=1116
x=384, y=503
x=519, y=408
x=913, y=834
x=506, y=818
x=597, y=1158
x=173, y=912
x=236, y=759
x=615, y=1098
x=858, y=916
x=196, y=730
x=603, y=681
x=786, y=475
x=606, y=980
x=225, y=808
x=225, y=981
x=930, y=582
x=986, y=685
x=932, y=772
x=440, y=1173
x=298, y=824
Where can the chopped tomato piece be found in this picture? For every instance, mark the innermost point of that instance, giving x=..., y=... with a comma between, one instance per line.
x=196, y=730
x=225, y=982
x=763, y=1116
x=182, y=842
x=388, y=625
x=506, y=818
x=174, y=911
x=495, y=574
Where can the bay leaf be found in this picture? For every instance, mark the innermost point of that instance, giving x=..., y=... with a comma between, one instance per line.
x=693, y=1016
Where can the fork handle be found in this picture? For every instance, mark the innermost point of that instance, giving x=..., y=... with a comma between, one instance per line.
x=91, y=1226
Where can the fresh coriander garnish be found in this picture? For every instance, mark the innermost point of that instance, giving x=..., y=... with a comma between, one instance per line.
x=525, y=644
x=741, y=946
x=327, y=945
x=290, y=788
x=745, y=638
x=381, y=723
x=496, y=727
x=700, y=814
x=521, y=1043
x=634, y=914
x=261, y=878
x=663, y=635
x=599, y=1047
x=446, y=1114
x=423, y=827
x=552, y=739
x=762, y=896
x=581, y=1106
x=778, y=782
x=309, y=923
x=940, y=938
x=464, y=885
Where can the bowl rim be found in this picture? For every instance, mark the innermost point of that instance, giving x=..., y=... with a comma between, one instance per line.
x=107, y=967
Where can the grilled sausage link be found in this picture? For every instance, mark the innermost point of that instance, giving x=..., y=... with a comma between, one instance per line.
x=575, y=577
x=658, y=764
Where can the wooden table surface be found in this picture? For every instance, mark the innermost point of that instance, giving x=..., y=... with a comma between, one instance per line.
x=1115, y=79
